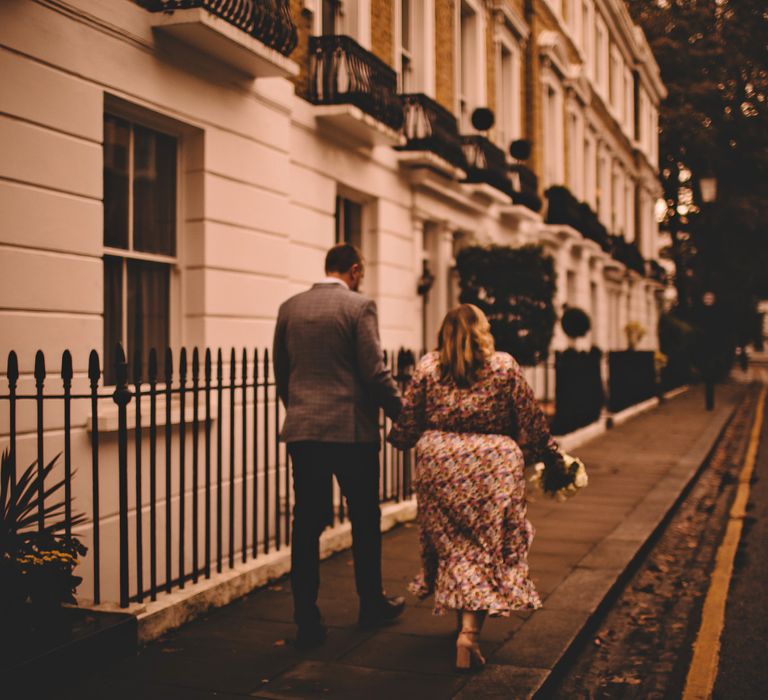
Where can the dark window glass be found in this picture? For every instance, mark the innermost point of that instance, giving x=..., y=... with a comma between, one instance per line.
x=113, y=313
x=154, y=192
x=330, y=12
x=349, y=222
x=148, y=310
x=117, y=139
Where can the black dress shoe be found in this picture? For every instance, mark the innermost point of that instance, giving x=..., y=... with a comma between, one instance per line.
x=310, y=636
x=382, y=612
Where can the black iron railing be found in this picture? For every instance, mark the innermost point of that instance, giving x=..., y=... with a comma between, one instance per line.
x=565, y=209
x=527, y=193
x=428, y=126
x=188, y=478
x=343, y=72
x=628, y=253
x=486, y=163
x=654, y=270
x=269, y=21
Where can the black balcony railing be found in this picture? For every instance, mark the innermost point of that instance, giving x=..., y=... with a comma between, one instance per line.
x=655, y=271
x=428, y=126
x=486, y=163
x=565, y=209
x=343, y=72
x=269, y=21
x=528, y=192
x=628, y=253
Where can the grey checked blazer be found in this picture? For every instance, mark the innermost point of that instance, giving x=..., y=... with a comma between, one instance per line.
x=329, y=367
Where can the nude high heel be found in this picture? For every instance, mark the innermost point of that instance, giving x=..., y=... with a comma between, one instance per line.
x=468, y=654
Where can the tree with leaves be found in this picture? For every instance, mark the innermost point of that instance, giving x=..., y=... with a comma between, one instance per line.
x=713, y=56
x=515, y=288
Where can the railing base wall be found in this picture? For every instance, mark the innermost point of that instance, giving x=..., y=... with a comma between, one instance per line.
x=181, y=606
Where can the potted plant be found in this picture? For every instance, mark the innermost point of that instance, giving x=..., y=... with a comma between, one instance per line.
x=36, y=565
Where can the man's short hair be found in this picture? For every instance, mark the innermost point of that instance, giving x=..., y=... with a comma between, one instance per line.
x=342, y=257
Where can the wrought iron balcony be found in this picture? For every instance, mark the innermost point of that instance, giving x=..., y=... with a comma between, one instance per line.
x=526, y=191
x=269, y=21
x=486, y=163
x=341, y=72
x=564, y=208
x=628, y=253
x=428, y=126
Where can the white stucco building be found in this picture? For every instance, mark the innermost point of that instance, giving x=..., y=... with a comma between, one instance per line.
x=164, y=179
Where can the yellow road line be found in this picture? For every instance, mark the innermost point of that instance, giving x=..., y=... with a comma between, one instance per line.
x=706, y=650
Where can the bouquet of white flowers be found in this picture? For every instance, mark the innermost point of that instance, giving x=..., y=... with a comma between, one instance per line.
x=560, y=479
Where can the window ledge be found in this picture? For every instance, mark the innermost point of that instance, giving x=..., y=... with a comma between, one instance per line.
x=351, y=123
x=431, y=161
x=518, y=213
x=225, y=42
x=108, y=418
x=486, y=192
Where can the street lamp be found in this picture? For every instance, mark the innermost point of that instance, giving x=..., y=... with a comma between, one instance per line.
x=708, y=300
x=708, y=189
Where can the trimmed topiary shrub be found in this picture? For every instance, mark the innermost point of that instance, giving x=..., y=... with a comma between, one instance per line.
x=575, y=322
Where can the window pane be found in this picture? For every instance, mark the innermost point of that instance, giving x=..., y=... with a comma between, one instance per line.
x=117, y=139
x=148, y=310
x=154, y=192
x=113, y=314
x=353, y=223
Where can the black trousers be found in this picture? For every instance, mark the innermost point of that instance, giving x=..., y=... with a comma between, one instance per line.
x=356, y=467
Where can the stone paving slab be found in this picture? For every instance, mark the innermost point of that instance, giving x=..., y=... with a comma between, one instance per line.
x=581, y=551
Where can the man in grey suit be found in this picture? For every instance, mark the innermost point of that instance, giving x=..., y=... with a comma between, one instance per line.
x=332, y=378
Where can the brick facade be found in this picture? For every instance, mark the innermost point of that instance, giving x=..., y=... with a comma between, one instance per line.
x=444, y=59
x=300, y=54
x=382, y=25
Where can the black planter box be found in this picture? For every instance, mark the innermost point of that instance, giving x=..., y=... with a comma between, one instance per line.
x=579, y=397
x=632, y=378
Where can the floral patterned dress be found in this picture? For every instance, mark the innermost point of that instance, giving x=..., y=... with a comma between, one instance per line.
x=471, y=448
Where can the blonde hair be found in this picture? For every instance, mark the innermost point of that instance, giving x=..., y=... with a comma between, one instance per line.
x=464, y=344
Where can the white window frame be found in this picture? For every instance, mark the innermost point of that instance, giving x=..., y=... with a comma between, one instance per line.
x=575, y=125
x=354, y=20
x=602, y=59
x=422, y=46
x=509, y=125
x=554, y=127
x=629, y=103
x=629, y=208
x=587, y=37
x=590, y=167
x=617, y=199
x=157, y=122
x=466, y=104
x=604, y=185
x=616, y=77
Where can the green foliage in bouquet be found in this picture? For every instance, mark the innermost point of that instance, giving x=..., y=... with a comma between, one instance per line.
x=36, y=563
x=515, y=288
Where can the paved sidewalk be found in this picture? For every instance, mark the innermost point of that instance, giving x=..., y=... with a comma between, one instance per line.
x=582, y=548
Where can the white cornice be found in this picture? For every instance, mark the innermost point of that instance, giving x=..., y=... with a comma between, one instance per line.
x=512, y=20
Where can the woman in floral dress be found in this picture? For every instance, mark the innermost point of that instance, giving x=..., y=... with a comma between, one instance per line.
x=475, y=424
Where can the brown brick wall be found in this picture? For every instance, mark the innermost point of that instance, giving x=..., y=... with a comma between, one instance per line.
x=382, y=25
x=444, y=68
x=301, y=52
x=490, y=60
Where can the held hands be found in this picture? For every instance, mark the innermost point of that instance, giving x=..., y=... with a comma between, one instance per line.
x=561, y=477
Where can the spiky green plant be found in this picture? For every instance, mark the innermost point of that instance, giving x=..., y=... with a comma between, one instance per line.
x=19, y=505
